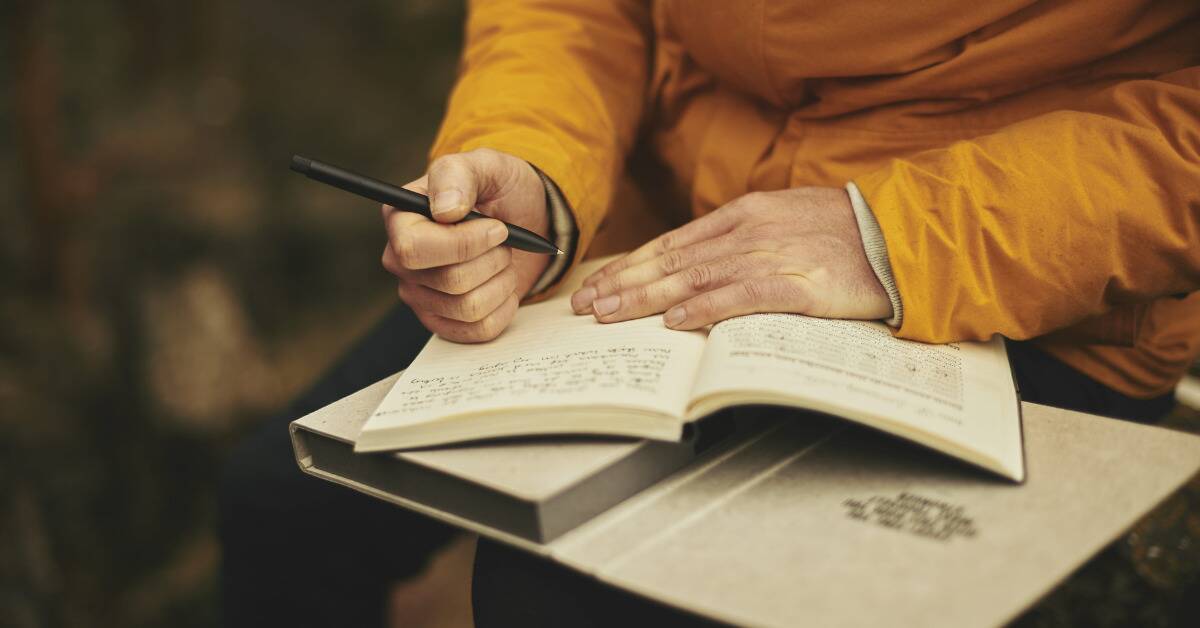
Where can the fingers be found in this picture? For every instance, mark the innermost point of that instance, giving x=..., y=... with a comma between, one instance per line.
x=710, y=226
x=467, y=276
x=418, y=185
x=455, y=278
x=654, y=269
x=766, y=294
x=658, y=296
x=470, y=307
x=419, y=243
x=452, y=188
x=483, y=330
x=458, y=181
x=453, y=273
x=469, y=302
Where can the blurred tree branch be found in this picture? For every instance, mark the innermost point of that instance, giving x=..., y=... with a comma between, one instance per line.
x=59, y=190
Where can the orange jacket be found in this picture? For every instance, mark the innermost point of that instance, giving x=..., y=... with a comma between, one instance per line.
x=1034, y=166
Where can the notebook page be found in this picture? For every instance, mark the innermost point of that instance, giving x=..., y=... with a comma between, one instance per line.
x=962, y=393
x=548, y=357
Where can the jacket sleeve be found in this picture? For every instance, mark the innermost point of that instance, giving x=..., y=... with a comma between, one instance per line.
x=558, y=83
x=1050, y=221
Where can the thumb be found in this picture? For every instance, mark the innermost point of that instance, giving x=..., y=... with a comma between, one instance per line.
x=453, y=188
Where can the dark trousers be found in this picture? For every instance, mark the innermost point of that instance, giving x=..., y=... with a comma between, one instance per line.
x=303, y=552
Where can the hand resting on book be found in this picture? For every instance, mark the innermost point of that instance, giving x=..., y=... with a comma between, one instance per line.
x=796, y=250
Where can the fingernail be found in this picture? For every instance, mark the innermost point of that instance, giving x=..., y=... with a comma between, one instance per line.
x=497, y=234
x=447, y=201
x=582, y=299
x=607, y=305
x=674, y=316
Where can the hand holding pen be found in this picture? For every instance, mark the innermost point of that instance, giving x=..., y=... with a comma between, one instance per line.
x=451, y=266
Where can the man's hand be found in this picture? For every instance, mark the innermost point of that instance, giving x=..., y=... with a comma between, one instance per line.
x=795, y=250
x=456, y=277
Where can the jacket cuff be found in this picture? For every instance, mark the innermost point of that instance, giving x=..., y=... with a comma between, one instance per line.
x=563, y=231
x=876, y=249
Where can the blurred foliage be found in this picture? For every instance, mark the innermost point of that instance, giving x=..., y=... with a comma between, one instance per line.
x=167, y=283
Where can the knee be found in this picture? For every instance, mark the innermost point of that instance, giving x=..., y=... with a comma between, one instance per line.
x=259, y=482
x=514, y=588
x=505, y=588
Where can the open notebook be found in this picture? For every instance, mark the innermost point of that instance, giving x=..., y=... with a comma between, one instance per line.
x=553, y=372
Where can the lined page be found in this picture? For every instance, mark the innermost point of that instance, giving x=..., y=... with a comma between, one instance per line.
x=961, y=394
x=548, y=358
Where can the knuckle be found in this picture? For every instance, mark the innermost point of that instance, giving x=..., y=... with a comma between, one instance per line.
x=672, y=262
x=706, y=304
x=610, y=284
x=667, y=241
x=407, y=251
x=509, y=280
x=454, y=333
x=640, y=296
x=463, y=247
x=456, y=279
x=461, y=335
x=469, y=307
x=487, y=328
x=699, y=278
x=754, y=292
x=478, y=243
x=599, y=277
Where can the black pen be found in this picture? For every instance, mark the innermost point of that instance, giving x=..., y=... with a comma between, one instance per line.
x=407, y=200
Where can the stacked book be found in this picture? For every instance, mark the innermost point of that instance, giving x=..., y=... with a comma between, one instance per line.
x=773, y=470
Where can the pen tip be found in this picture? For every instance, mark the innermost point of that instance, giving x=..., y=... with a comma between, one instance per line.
x=559, y=252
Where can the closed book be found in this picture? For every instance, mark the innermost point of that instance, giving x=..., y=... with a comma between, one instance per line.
x=813, y=521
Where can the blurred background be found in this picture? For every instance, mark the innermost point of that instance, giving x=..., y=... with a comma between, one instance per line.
x=167, y=283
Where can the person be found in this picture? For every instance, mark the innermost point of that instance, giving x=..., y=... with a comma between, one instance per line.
x=957, y=170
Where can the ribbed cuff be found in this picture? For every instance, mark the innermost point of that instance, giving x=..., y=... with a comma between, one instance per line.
x=562, y=227
x=876, y=249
